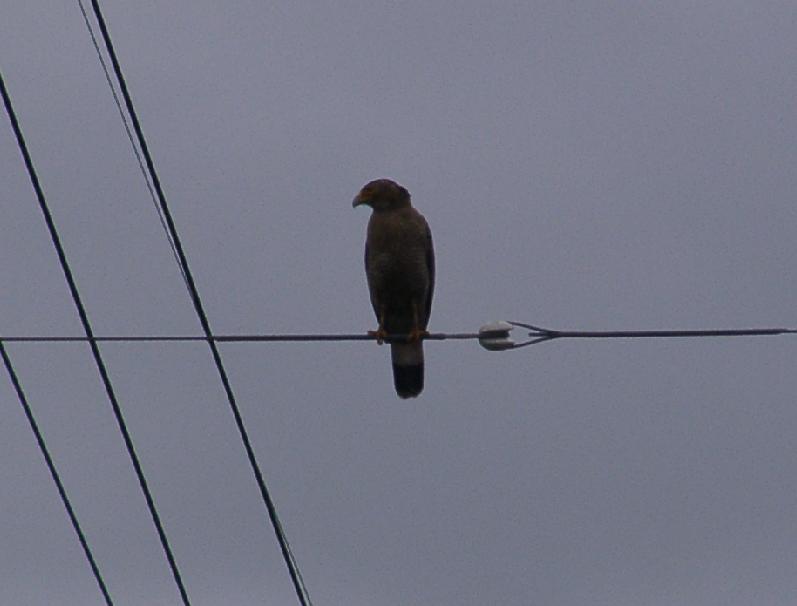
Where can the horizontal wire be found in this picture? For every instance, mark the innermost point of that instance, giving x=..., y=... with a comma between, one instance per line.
x=539, y=335
x=603, y=334
x=648, y=334
x=544, y=335
x=235, y=338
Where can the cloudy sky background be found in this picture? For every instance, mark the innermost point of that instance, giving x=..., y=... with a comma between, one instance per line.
x=583, y=165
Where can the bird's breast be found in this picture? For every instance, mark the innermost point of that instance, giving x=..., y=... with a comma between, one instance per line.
x=396, y=251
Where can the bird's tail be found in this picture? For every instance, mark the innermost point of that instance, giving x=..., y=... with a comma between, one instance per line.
x=407, y=368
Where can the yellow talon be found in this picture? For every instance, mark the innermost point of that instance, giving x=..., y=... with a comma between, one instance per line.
x=380, y=335
x=416, y=334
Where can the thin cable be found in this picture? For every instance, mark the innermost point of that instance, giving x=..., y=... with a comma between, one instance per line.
x=539, y=335
x=289, y=338
x=23, y=400
x=130, y=135
x=90, y=337
x=290, y=562
x=542, y=335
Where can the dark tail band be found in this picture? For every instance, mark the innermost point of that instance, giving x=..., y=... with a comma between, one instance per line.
x=408, y=380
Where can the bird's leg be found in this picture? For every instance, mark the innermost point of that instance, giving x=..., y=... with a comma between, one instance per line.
x=380, y=333
x=417, y=332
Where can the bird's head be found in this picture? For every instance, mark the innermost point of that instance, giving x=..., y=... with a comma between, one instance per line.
x=382, y=194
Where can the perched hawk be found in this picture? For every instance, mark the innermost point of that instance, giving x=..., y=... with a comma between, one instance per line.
x=399, y=264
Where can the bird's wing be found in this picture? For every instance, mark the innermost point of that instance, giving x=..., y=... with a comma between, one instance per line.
x=372, y=290
x=430, y=270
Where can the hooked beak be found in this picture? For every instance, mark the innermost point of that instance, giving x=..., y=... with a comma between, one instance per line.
x=359, y=200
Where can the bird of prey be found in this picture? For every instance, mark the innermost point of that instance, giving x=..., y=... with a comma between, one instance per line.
x=399, y=265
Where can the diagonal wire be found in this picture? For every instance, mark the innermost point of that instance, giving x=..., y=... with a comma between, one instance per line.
x=290, y=562
x=90, y=337
x=23, y=400
x=129, y=133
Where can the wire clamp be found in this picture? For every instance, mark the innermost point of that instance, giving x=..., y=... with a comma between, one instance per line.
x=495, y=336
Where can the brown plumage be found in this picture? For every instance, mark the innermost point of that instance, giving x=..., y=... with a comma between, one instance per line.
x=399, y=265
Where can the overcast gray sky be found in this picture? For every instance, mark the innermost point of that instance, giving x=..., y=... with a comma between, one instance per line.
x=583, y=165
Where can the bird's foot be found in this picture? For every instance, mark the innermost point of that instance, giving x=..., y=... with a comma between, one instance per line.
x=416, y=334
x=380, y=334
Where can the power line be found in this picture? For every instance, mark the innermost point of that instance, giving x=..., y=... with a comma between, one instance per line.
x=288, y=338
x=290, y=562
x=542, y=335
x=90, y=337
x=23, y=400
x=494, y=336
x=129, y=134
